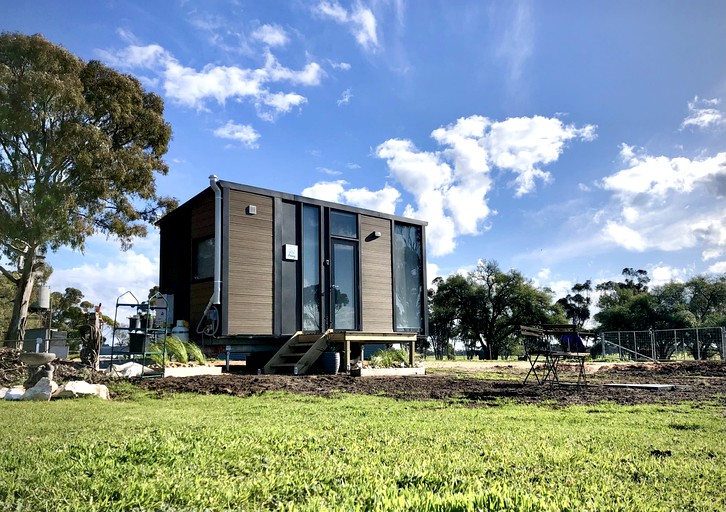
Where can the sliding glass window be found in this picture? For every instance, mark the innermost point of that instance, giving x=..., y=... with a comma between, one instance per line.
x=408, y=277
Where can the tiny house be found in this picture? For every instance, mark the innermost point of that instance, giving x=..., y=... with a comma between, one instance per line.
x=252, y=268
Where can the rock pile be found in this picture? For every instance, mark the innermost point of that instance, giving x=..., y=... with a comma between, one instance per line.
x=39, y=385
x=46, y=389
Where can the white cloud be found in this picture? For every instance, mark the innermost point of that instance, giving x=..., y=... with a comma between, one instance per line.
x=326, y=190
x=329, y=172
x=666, y=203
x=193, y=88
x=271, y=35
x=345, y=98
x=383, y=200
x=432, y=272
x=243, y=133
x=624, y=236
x=718, y=268
x=662, y=274
x=104, y=283
x=704, y=114
x=450, y=186
x=544, y=274
x=360, y=21
x=344, y=66
x=522, y=144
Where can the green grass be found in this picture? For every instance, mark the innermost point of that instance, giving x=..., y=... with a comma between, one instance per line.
x=288, y=452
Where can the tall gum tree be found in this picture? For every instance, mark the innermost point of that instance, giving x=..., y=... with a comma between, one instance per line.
x=80, y=145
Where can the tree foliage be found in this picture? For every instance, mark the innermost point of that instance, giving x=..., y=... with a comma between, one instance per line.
x=80, y=145
x=487, y=307
x=576, y=305
x=631, y=306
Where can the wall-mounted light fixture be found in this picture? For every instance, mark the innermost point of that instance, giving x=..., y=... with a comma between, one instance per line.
x=251, y=210
x=373, y=236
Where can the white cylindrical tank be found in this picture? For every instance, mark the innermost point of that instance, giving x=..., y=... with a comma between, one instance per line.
x=44, y=297
x=180, y=331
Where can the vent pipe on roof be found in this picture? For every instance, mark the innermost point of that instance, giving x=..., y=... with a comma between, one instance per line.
x=217, y=238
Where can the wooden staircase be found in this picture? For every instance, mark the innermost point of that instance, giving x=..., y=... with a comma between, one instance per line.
x=300, y=351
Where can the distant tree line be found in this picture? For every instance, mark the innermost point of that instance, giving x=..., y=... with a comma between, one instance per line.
x=484, y=309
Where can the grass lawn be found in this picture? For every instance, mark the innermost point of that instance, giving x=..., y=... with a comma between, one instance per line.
x=290, y=452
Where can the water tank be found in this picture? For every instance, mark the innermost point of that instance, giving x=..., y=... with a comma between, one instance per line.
x=44, y=297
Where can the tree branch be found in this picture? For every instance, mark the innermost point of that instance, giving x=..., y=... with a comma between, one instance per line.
x=10, y=276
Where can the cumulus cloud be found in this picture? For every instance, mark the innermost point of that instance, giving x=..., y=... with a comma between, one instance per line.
x=359, y=19
x=704, y=114
x=450, y=186
x=100, y=282
x=271, y=35
x=195, y=87
x=242, y=133
x=662, y=274
x=667, y=203
x=383, y=200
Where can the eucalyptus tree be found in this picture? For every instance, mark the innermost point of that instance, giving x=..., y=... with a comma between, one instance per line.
x=488, y=306
x=80, y=147
x=577, y=304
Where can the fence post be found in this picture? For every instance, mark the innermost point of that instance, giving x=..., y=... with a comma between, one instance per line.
x=675, y=342
x=723, y=344
x=698, y=346
x=652, y=344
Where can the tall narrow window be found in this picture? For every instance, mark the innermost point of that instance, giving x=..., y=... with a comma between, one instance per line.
x=408, y=277
x=203, y=259
x=311, y=268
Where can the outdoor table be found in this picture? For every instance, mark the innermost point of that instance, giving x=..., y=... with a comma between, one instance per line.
x=551, y=360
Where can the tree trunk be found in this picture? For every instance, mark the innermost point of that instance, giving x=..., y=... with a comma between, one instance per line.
x=16, y=330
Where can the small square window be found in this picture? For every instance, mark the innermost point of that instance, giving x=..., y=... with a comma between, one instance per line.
x=343, y=224
x=203, y=259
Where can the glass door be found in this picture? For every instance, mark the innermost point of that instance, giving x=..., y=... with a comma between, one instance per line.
x=344, y=289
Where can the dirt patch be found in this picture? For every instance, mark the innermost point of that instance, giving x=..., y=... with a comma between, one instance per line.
x=698, y=382
x=472, y=383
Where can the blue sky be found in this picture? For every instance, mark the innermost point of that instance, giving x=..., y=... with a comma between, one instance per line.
x=566, y=139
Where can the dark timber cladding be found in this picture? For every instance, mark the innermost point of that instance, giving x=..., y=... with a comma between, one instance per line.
x=248, y=269
x=376, y=285
x=292, y=263
x=201, y=226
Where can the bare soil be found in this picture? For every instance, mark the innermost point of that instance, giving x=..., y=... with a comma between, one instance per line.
x=473, y=383
x=482, y=384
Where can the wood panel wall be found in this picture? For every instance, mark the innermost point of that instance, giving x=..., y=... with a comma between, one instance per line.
x=376, y=275
x=202, y=226
x=249, y=269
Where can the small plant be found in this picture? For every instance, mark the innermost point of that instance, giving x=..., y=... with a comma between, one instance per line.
x=172, y=349
x=390, y=358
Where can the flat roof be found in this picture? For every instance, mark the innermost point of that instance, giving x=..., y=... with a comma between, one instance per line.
x=295, y=198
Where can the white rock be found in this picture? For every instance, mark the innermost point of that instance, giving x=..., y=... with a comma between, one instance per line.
x=3, y=392
x=78, y=388
x=128, y=370
x=42, y=391
x=15, y=393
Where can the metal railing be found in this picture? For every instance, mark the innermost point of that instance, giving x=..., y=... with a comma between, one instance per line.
x=666, y=344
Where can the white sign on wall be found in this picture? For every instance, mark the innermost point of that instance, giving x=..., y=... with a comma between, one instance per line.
x=290, y=252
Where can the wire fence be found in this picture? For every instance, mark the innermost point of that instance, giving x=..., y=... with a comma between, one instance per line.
x=665, y=345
